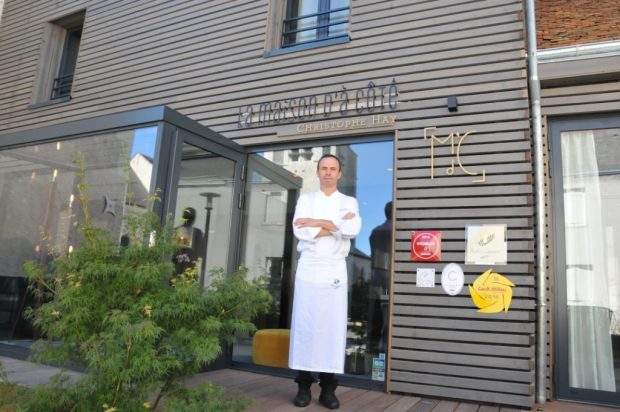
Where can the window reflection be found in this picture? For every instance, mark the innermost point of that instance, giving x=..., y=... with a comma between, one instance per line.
x=206, y=185
x=39, y=205
x=591, y=191
x=312, y=20
x=269, y=249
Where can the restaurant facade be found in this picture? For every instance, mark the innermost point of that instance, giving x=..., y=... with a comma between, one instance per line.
x=483, y=158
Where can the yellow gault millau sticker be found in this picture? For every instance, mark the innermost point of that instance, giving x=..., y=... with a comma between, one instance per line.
x=491, y=292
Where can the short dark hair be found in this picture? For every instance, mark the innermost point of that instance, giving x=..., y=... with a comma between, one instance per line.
x=388, y=210
x=333, y=157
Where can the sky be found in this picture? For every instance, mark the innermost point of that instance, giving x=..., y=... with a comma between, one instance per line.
x=144, y=141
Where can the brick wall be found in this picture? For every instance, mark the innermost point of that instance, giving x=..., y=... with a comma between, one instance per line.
x=569, y=22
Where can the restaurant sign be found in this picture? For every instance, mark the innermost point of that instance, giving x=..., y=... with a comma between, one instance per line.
x=372, y=99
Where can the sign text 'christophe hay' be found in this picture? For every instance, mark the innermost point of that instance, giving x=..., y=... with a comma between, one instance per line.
x=369, y=100
x=378, y=120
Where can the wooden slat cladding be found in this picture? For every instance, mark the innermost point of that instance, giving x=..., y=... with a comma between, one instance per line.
x=433, y=38
x=441, y=344
x=581, y=99
x=205, y=59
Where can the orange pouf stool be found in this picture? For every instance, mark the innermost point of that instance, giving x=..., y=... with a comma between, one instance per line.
x=270, y=347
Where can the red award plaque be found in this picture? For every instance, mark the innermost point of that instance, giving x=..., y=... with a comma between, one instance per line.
x=426, y=246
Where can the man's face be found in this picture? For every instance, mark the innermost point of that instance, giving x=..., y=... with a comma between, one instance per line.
x=329, y=173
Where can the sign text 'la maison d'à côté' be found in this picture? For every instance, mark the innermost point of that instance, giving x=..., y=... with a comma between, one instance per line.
x=370, y=99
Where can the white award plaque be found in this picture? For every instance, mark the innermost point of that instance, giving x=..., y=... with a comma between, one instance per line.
x=425, y=278
x=452, y=279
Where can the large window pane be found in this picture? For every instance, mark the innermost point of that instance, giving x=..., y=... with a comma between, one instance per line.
x=39, y=206
x=311, y=20
x=269, y=248
x=205, y=190
x=591, y=190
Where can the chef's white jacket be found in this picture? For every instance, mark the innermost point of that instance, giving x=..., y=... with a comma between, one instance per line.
x=319, y=322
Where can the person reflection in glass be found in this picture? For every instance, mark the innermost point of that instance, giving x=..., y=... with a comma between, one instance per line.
x=380, y=260
x=189, y=240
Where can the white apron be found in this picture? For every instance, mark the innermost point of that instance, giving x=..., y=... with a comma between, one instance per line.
x=319, y=324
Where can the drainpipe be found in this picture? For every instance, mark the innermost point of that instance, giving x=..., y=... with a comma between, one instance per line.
x=541, y=229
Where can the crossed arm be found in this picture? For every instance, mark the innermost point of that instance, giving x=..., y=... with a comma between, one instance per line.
x=327, y=226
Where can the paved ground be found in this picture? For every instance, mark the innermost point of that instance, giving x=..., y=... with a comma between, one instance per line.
x=29, y=373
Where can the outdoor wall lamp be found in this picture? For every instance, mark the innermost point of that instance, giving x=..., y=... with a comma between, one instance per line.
x=453, y=105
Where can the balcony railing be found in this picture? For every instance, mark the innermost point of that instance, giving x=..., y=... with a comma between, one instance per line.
x=62, y=86
x=324, y=21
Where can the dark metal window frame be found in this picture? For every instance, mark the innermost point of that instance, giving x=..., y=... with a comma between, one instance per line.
x=174, y=129
x=348, y=380
x=321, y=28
x=560, y=367
x=64, y=82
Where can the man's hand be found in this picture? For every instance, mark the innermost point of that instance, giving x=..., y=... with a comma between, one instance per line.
x=306, y=222
x=327, y=225
x=348, y=216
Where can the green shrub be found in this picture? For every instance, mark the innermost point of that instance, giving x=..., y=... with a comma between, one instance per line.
x=11, y=395
x=136, y=326
x=4, y=376
x=205, y=398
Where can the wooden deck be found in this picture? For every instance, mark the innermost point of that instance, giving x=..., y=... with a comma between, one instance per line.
x=275, y=394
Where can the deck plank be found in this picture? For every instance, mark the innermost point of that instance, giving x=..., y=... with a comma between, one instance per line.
x=446, y=406
x=425, y=405
x=382, y=403
x=344, y=395
x=275, y=394
x=361, y=401
x=467, y=407
x=403, y=404
x=488, y=408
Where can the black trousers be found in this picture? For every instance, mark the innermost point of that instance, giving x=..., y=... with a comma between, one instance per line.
x=305, y=376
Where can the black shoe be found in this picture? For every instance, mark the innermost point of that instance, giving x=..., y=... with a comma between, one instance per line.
x=328, y=399
x=303, y=397
x=304, y=382
x=328, y=386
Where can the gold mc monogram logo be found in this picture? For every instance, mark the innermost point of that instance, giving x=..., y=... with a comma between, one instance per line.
x=452, y=137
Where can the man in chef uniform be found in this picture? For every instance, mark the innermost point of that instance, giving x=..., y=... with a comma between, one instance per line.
x=324, y=223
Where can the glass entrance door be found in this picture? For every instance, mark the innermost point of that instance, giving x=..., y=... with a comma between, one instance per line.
x=206, y=208
x=587, y=186
x=267, y=246
x=274, y=181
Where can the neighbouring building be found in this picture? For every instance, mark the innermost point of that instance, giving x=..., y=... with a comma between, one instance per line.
x=226, y=107
x=579, y=70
